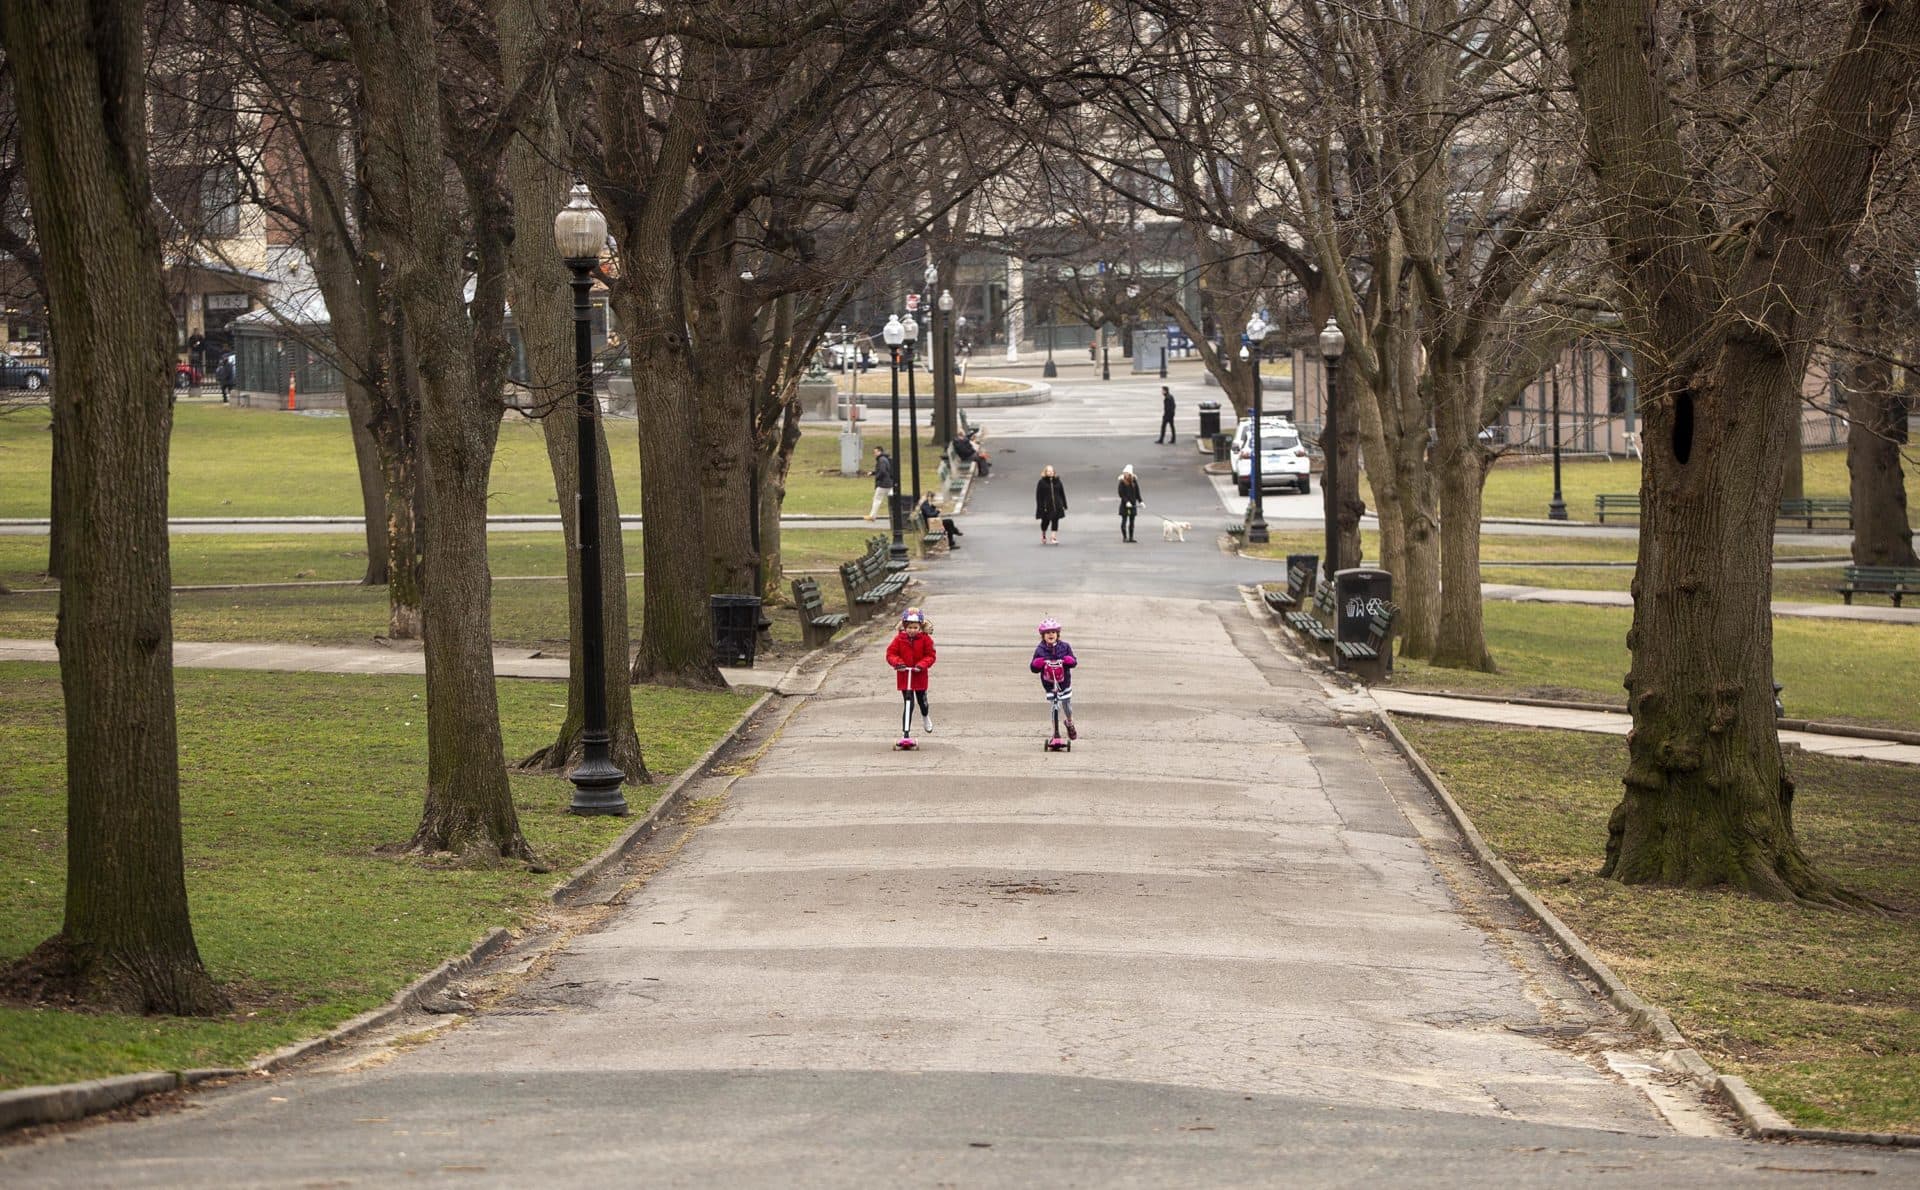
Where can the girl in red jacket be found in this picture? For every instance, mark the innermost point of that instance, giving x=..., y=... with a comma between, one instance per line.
x=911, y=655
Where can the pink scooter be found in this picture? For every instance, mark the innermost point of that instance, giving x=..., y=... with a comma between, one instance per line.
x=1055, y=672
x=906, y=742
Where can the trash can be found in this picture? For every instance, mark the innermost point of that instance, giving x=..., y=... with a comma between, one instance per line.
x=1209, y=418
x=736, y=626
x=1220, y=449
x=1358, y=592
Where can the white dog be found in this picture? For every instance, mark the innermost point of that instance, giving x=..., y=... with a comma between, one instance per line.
x=1174, y=530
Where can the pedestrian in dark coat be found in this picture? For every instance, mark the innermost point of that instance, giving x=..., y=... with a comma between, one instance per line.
x=1166, y=416
x=1049, y=505
x=884, y=483
x=1130, y=502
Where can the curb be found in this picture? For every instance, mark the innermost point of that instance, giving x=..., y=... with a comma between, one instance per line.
x=73, y=1101
x=1756, y=1114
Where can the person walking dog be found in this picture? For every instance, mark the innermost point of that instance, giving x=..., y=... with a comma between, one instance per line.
x=1049, y=505
x=1130, y=501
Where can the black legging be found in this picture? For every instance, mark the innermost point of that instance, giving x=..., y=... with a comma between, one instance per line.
x=1127, y=514
x=1049, y=524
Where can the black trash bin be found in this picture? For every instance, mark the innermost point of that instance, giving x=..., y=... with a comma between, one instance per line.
x=1358, y=592
x=1220, y=449
x=736, y=629
x=1209, y=418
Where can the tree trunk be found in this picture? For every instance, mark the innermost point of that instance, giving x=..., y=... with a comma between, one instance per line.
x=1877, y=428
x=1723, y=341
x=469, y=805
x=1460, y=465
x=373, y=482
x=543, y=310
x=127, y=941
x=395, y=424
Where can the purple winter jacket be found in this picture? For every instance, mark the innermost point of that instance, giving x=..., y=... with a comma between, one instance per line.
x=1060, y=652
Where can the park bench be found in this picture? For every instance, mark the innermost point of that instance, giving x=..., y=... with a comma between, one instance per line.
x=1236, y=528
x=1616, y=503
x=954, y=474
x=1299, y=579
x=1831, y=510
x=869, y=581
x=969, y=428
x=1894, y=581
x=1317, y=625
x=931, y=538
x=1371, y=659
x=817, y=624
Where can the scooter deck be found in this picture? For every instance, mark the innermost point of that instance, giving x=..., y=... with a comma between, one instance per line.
x=906, y=745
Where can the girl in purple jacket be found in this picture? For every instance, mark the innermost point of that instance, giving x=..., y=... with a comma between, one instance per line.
x=1053, y=660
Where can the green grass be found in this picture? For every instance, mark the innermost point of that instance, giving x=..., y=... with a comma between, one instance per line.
x=288, y=784
x=527, y=613
x=1819, y=1010
x=1832, y=670
x=229, y=461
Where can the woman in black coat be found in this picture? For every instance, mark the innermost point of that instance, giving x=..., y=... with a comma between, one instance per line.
x=1130, y=502
x=1049, y=505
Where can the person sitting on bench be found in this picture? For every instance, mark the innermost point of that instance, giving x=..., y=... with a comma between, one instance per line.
x=938, y=522
x=969, y=453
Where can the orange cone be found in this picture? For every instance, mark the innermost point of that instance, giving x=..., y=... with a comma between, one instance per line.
x=291, y=400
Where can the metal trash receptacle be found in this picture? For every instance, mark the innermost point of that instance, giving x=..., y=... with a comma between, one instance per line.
x=1358, y=592
x=1209, y=418
x=1220, y=448
x=736, y=629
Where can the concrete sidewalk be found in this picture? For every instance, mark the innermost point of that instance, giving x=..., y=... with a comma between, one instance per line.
x=1860, y=612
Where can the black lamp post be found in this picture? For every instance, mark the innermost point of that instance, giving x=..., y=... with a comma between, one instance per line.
x=1256, y=507
x=943, y=310
x=1556, y=507
x=894, y=334
x=1333, y=345
x=1105, y=373
x=580, y=231
x=1050, y=371
x=911, y=330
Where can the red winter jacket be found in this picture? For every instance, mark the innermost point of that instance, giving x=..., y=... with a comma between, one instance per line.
x=914, y=651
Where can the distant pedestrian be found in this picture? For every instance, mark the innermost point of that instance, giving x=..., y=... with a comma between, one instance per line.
x=224, y=374
x=1130, y=501
x=1049, y=505
x=883, y=482
x=1166, y=416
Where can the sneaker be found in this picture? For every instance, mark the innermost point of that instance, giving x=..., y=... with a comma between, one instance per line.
x=926, y=725
x=1071, y=733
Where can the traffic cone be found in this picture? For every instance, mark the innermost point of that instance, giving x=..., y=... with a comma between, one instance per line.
x=292, y=402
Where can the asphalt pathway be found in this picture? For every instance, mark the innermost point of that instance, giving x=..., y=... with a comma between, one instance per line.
x=1227, y=940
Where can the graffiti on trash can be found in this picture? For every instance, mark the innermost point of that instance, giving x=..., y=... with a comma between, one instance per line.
x=1358, y=608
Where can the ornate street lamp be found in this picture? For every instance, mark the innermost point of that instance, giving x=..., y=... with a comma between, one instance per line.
x=1556, y=507
x=580, y=232
x=1333, y=344
x=1256, y=508
x=911, y=331
x=894, y=334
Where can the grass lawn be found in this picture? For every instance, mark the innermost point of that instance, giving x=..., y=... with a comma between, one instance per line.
x=1831, y=670
x=229, y=461
x=530, y=613
x=288, y=783
x=1819, y=1010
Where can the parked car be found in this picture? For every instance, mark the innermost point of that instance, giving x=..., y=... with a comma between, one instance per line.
x=18, y=373
x=186, y=376
x=1283, y=459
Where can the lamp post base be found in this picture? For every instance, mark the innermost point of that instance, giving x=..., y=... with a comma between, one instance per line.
x=1257, y=528
x=1050, y=372
x=1556, y=509
x=597, y=781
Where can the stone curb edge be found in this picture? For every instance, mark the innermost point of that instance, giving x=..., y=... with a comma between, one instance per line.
x=73, y=1101
x=1759, y=1117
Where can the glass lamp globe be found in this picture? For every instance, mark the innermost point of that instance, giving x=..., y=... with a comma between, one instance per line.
x=580, y=230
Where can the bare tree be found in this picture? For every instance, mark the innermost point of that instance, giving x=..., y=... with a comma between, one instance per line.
x=1722, y=315
x=126, y=941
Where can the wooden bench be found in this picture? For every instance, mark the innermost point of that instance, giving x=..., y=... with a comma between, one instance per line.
x=817, y=624
x=1826, y=509
x=870, y=582
x=1299, y=580
x=931, y=538
x=1372, y=658
x=954, y=474
x=1317, y=625
x=1894, y=581
x=969, y=428
x=1615, y=502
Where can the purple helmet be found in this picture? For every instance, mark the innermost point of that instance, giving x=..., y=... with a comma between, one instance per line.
x=913, y=615
x=1049, y=625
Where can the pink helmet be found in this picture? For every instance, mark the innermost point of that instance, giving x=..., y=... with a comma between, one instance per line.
x=913, y=615
x=1049, y=625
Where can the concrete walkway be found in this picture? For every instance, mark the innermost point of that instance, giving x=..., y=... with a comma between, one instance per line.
x=1859, y=612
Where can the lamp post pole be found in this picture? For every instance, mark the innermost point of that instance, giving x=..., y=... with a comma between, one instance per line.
x=580, y=231
x=1556, y=507
x=1105, y=374
x=943, y=364
x=912, y=331
x=895, y=334
x=1333, y=344
x=1256, y=507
